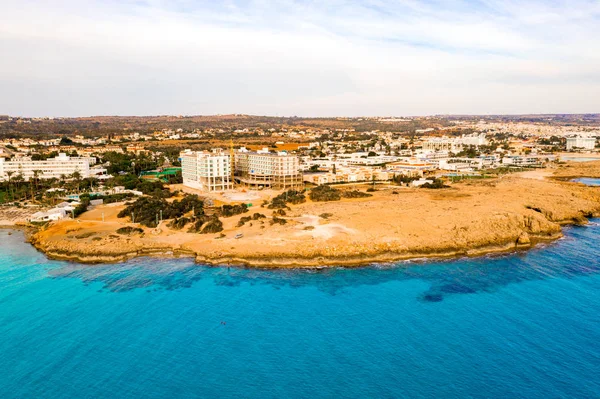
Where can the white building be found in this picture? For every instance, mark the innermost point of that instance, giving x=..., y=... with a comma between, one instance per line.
x=207, y=171
x=588, y=143
x=262, y=169
x=56, y=167
x=439, y=144
x=527, y=160
x=51, y=215
x=473, y=139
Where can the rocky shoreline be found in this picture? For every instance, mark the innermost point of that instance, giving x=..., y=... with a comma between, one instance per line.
x=470, y=219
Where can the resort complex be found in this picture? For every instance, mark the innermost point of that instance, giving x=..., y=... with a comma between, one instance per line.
x=60, y=166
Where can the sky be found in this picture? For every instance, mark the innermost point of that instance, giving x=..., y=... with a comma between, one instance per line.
x=299, y=57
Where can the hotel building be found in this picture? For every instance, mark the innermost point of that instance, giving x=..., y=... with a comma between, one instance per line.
x=207, y=171
x=588, y=143
x=262, y=169
x=56, y=167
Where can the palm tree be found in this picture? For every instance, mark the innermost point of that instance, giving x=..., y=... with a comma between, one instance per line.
x=9, y=173
x=19, y=179
x=77, y=177
x=33, y=181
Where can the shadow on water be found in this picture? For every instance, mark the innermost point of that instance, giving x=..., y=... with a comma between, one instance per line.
x=577, y=254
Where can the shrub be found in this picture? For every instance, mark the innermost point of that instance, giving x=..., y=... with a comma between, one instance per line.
x=232, y=210
x=243, y=220
x=437, y=184
x=179, y=223
x=146, y=209
x=257, y=216
x=128, y=230
x=324, y=193
x=277, y=220
x=82, y=207
x=291, y=196
x=207, y=225
x=357, y=194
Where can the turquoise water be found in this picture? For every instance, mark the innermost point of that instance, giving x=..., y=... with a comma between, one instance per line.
x=518, y=326
x=589, y=181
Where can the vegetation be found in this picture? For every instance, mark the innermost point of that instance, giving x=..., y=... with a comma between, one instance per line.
x=437, y=184
x=227, y=211
x=277, y=220
x=328, y=193
x=179, y=223
x=206, y=225
x=147, y=210
x=324, y=193
x=288, y=197
x=128, y=230
x=244, y=220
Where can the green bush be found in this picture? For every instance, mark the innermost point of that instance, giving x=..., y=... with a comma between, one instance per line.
x=437, y=184
x=179, y=223
x=357, y=194
x=324, y=193
x=288, y=197
x=128, y=230
x=277, y=220
x=244, y=220
x=231, y=210
x=207, y=225
x=146, y=209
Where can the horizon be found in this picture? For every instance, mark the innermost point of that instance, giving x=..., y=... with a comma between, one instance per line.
x=305, y=116
x=357, y=59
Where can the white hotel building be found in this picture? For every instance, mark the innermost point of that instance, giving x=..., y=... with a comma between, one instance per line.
x=588, y=143
x=56, y=167
x=262, y=169
x=207, y=171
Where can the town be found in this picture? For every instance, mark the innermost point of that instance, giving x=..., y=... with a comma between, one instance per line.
x=272, y=155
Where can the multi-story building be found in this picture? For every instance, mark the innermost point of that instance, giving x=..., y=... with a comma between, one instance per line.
x=588, y=143
x=207, y=171
x=57, y=167
x=527, y=160
x=267, y=170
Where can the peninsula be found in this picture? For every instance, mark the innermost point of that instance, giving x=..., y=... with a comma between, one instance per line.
x=469, y=218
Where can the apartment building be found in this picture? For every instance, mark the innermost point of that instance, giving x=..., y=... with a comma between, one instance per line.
x=207, y=171
x=56, y=167
x=262, y=169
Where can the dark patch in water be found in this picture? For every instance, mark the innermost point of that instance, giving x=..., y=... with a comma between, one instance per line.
x=433, y=298
x=456, y=288
x=575, y=255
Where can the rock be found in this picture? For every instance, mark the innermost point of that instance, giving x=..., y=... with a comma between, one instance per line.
x=524, y=239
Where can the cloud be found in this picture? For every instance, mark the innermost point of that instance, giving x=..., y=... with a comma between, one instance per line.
x=337, y=57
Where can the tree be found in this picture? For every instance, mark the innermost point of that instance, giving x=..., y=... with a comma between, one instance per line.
x=77, y=177
x=9, y=174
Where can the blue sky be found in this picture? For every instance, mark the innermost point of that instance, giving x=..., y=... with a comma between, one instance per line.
x=312, y=58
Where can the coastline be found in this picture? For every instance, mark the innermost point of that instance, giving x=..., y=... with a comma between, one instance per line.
x=470, y=219
x=283, y=261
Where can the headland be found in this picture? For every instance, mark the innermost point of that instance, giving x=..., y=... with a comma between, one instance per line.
x=470, y=218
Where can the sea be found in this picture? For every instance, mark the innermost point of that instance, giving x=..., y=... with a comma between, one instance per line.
x=524, y=325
